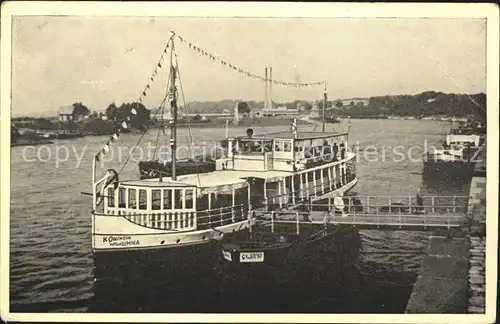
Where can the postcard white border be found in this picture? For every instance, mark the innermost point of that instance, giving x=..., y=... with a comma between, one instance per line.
x=262, y=9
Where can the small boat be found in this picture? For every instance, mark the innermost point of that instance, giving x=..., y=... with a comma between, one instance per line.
x=458, y=155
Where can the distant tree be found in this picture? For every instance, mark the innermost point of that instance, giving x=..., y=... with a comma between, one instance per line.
x=14, y=134
x=138, y=120
x=197, y=118
x=243, y=107
x=111, y=111
x=338, y=103
x=80, y=110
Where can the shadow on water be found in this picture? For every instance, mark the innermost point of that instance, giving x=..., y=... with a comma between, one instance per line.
x=337, y=283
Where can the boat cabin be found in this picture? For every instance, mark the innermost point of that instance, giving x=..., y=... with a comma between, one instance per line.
x=193, y=202
x=283, y=151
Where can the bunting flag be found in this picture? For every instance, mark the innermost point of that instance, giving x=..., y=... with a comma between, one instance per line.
x=106, y=148
x=245, y=72
x=124, y=125
x=133, y=111
x=294, y=128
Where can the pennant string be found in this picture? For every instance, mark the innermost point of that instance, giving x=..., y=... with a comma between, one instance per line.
x=245, y=72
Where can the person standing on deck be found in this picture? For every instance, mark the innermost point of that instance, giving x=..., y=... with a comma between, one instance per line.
x=420, y=201
x=339, y=205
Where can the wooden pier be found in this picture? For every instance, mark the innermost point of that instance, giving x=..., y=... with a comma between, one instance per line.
x=381, y=213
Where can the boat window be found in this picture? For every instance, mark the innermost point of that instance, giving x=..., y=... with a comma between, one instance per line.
x=132, y=198
x=177, y=199
x=188, y=198
x=288, y=146
x=143, y=199
x=111, y=197
x=155, y=199
x=167, y=199
x=121, y=198
x=278, y=146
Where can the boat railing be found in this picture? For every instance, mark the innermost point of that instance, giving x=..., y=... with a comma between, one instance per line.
x=221, y=216
x=184, y=220
x=433, y=211
x=312, y=191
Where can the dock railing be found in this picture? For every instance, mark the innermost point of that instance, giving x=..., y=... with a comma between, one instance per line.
x=400, y=212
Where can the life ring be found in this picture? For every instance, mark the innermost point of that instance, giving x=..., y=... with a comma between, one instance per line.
x=112, y=178
x=338, y=203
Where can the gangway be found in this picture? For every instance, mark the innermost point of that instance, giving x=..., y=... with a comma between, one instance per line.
x=375, y=213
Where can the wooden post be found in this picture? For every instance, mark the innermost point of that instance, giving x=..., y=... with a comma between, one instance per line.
x=322, y=182
x=279, y=194
x=454, y=205
x=334, y=177
x=297, y=217
x=330, y=178
x=433, y=205
x=293, y=189
x=307, y=184
x=314, y=183
x=266, y=203
x=232, y=207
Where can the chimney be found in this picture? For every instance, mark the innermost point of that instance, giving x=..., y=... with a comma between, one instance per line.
x=265, y=93
x=271, y=87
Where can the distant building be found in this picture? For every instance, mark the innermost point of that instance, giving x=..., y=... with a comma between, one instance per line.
x=355, y=101
x=65, y=113
x=280, y=110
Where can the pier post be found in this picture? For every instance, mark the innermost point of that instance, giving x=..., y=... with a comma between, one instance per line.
x=330, y=178
x=307, y=184
x=232, y=208
x=314, y=183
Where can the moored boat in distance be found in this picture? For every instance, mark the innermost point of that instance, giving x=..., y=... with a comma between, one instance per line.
x=458, y=155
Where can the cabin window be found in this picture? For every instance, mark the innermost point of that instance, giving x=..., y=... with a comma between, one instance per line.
x=122, y=203
x=111, y=197
x=188, y=198
x=155, y=199
x=132, y=203
x=143, y=199
x=278, y=146
x=288, y=146
x=177, y=199
x=167, y=199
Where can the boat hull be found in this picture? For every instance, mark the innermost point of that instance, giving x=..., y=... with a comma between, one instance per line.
x=301, y=266
x=453, y=170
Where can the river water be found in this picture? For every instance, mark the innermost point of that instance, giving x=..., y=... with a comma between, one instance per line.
x=50, y=247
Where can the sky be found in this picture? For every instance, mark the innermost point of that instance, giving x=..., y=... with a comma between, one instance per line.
x=58, y=60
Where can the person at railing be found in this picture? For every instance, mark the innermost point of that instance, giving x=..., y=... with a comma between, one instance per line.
x=420, y=201
x=339, y=205
x=335, y=150
x=342, y=151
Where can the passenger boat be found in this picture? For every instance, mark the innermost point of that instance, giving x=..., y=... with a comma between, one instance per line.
x=458, y=154
x=166, y=225
x=170, y=227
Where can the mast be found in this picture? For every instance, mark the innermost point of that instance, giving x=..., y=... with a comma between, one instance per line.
x=173, y=106
x=324, y=107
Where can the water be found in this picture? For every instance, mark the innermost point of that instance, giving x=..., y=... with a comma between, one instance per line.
x=50, y=249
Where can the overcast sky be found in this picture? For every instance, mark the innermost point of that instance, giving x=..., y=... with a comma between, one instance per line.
x=60, y=60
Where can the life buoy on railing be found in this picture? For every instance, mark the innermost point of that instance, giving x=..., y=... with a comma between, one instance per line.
x=111, y=178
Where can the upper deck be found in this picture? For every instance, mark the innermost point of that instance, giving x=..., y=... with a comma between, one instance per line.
x=284, y=151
